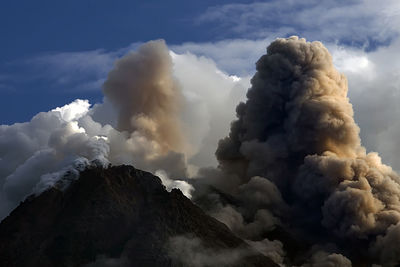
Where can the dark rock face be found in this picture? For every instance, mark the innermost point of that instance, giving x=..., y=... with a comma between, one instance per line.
x=118, y=216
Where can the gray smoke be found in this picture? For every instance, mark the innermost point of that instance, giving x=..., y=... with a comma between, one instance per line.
x=192, y=251
x=324, y=259
x=271, y=249
x=296, y=131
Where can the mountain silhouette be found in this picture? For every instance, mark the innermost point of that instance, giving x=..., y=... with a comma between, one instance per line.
x=118, y=216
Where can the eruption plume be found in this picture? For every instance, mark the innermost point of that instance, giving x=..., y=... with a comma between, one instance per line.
x=296, y=130
x=143, y=89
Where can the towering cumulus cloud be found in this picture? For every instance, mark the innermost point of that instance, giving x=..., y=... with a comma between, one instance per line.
x=295, y=145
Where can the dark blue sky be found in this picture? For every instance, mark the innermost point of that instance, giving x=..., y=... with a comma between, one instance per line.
x=31, y=28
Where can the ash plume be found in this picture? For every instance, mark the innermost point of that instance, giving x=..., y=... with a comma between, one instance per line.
x=296, y=131
x=147, y=96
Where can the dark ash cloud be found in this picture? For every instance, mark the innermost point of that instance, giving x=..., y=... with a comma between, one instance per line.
x=296, y=130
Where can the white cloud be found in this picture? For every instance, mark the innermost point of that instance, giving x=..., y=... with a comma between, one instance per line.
x=211, y=98
x=375, y=93
x=352, y=61
x=357, y=22
x=234, y=56
x=74, y=110
x=48, y=143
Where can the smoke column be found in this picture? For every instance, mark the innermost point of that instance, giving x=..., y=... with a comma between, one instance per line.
x=294, y=158
x=148, y=98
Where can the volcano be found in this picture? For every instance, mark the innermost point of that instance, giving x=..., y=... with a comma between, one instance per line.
x=118, y=216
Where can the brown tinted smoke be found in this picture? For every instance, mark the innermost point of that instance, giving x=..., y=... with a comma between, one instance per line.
x=148, y=98
x=296, y=131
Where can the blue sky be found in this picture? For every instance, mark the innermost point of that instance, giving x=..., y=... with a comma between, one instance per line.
x=52, y=52
x=30, y=29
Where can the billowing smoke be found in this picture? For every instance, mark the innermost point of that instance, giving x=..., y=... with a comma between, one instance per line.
x=324, y=259
x=152, y=98
x=33, y=153
x=148, y=101
x=147, y=96
x=191, y=251
x=54, y=146
x=296, y=133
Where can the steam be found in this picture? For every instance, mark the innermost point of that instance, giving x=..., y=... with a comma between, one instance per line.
x=169, y=184
x=48, y=147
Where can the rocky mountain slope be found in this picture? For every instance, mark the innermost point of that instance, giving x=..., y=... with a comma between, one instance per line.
x=120, y=216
